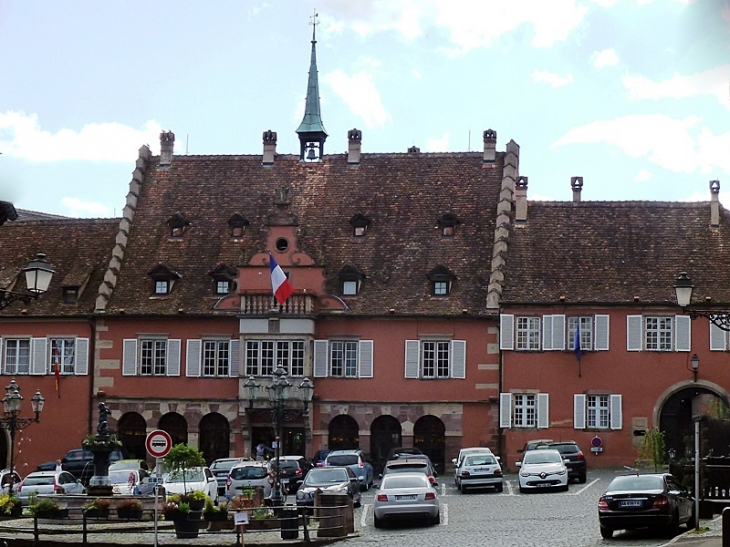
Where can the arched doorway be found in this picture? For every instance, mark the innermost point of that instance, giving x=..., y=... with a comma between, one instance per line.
x=176, y=425
x=132, y=432
x=344, y=433
x=214, y=437
x=385, y=433
x=429, y=436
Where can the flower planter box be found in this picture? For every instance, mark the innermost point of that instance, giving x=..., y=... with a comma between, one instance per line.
x=57, y=514
x=129, y=514
x=97, y=513
x=187, y=525
x=262, y=524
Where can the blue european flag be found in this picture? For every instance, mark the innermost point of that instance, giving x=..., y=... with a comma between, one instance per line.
x=576, y=341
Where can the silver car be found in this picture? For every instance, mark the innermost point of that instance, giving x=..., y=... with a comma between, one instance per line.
x=48, y=482
x=480, y=470
x=247, y=475
x=405, y=495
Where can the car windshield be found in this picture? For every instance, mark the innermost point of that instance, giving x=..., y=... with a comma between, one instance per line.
x=37, y=481
x=325, y=476
x=542, y=456
x=248, y=472
x=120, y=476
x=636, y=482
x=344, y=459
x=484, y=459
x=409, y=467
x=403, y=481
x=566, y=448
x=133, y=464
x=223, y=465
x=186, y=475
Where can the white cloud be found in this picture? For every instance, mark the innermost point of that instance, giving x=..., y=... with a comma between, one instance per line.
x=643, y=175
x=417, y=74
x=361, y=95
x=540, y=197
x=605, y=3
x=553, y=79
x=710, y=82
x=697, y=196
x=438, y=145
x=79, y=208
x=607, y=57
x=21, y=137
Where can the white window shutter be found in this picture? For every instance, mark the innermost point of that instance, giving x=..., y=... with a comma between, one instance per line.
x=129, y=357
x=38, y=355
x=616, y=412
x=547, y=332
x=193, y=357
x=505, y=410
x=543, y=410
x=507, y=332
x=559, y=332
x=2, y=356
x=234, y=364
x=413, y=358
x=81, y=366
x=173, y=357
x=601, y=332
x=634, y=337
x=458, y=359
x=320, y=358
x=718, y=338
x=682, y=333
x=579, y=411
x=366, y=358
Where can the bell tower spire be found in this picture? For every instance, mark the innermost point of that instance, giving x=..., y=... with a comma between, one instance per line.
x=311, y=131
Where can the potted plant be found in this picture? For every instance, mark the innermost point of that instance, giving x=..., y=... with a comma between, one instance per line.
x=10, y=506
x=48, y=509
x=185, y=521
x=99, y=508
x=213, y=512
x=129, y=509
x=196, y=499
x=182, y=457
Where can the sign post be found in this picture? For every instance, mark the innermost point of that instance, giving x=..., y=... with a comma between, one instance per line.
x=158, y=444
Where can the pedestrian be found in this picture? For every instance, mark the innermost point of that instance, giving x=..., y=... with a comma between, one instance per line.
x=261, y=450
x=59, y=465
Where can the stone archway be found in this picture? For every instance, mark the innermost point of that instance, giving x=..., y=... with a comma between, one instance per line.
x=344, y=433
x=176, y=425
x=132, y=432
x=215, y=434
x=385, y=433
x=429, y=434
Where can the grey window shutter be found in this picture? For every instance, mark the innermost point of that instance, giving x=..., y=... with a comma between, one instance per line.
x=39, y=355
x=507, y=332
x=129, y=357
x=579, y=411
x=173, y=357
x=683, y=333
x=192, y=357
x=458, y=359
x=558, y=332
x=413, y=358
x=634, y=337
x=616, y=412
x=81, y=366
x=718, y=338
x=547, y=332
x=234, y=368
x=2, y=356
x=543, y=411
x=505, y=410
x=366, y=358
x=320, y=358
x=601, y=323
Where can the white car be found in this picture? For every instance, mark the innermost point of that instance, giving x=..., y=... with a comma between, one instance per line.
x=187, y=480
x=124, y=481
x=247, y=474
x=542, y=470
x=462, y=454
x=405, y=495
x=480, y=470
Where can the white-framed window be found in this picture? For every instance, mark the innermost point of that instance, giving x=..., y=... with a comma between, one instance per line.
x=343, y=358
x=223, y=286
x=63, y=353
x=17, y=356
x=599, y=411
x=586, y=332
x=216, y=356
x=151, y=356
x=440, y=288
x=162, y=286
x=528, y=410
x=435, y=359
x=658, y=333
x=718, y=338
x=528, y=334
x=263, y=356
x=349, y=288
x=549, y=333
x=212, y=358
x=39, y=355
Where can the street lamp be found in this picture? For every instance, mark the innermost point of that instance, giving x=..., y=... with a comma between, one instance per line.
x=38, y=274
x=11, y=407
x=694, y=365
x=683, y=293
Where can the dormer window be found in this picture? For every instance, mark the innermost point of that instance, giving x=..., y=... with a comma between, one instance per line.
x=222, y=287
x=237, y=225
x=360, y=224
x=162, y=287
x=70, y=295
x=448, y=224
x=349, y=288
x=178, y=225
x=351, y=280
x=441, y=280
x=163, y=279
x=223, y=278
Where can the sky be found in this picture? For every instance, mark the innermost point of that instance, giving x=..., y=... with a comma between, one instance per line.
x=632, y=95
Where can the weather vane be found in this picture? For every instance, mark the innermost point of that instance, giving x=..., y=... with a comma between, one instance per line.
x=313, y=21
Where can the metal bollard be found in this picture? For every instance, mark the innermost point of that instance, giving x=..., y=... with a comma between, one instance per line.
x=726, y=527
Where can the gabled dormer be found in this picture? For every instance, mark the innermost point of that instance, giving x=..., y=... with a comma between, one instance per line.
x=75, y=282
x=360, y=224
x=178, y=225
x=441, y=280
x=237, y=225
x=351, y=280
x=447, y=225
x=224, y=279
x=163, y=279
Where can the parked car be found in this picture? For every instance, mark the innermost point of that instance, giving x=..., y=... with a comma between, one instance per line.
x=355, y=460
x=652, y=500
x=319, y=457
x=542, y=469
x=248, y=474
x=292, y=470
x=337, y=480
x=462, y=454
x=414, y=463
x=181, y=481
x=48, y=482
x=478, y=470
x=576, y=460
x=405, y=495
x=129, y=464
x=395, y=453
x=533, y=444
x=7, y=477
x=80, y=463
x=126, y=482
x=220, y=469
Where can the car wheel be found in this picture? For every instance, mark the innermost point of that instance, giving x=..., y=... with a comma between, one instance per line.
x=692, y=523
x=463, y=488
x=357, y=503
x=500, y=488
x=435, y=521
x=606, y=533
x=377, y=522
x=522, y=490
x=582, y=478
x=673, y=529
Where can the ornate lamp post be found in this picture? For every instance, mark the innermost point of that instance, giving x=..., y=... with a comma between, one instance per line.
x=38, y=274
x=683, y=289
x=12, y=423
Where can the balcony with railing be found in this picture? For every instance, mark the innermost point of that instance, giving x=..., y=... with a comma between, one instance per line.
x=261, y=304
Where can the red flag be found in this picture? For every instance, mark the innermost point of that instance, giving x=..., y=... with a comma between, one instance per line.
x=57, y=370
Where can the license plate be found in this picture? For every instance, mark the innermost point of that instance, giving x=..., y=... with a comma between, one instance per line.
x=409, y=497
x=631, y=503
x=543, y=484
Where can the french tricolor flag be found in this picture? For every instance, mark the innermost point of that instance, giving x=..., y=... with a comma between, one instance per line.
x=279, y=283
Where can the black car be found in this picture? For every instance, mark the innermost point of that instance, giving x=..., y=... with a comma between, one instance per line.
x=80, y=463
x=396, y=452
x=652, y=500
x=293, y=470
x=337, y=480
x=576, y=460
x=411, y=463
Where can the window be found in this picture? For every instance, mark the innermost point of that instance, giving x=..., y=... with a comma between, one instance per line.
x=263, y=356
x=548, y=332
x=162, y=287
x=349, y=288
x=435, y=359
x=528, y=333
x=343, y=358
x=222, y=287
x=586, y=332
x=525, y=411
x=38, y=356
x=597, y=411
x=658, y=333
x=63, y=352
x=70, y=295
x=440, y=288
x=528, y=410
x=151, y=357
x=17, y=356
x=215, y=358
x=447, y=224
x=212, y=358
x=178, y=225
x=351, y=279
x=237, y=225
x=441, y=279
x=359, y=225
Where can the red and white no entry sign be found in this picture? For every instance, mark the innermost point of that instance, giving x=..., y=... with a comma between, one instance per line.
x=158, y=443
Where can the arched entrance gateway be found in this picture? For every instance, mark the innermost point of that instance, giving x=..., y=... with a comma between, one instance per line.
x=429, y=435
x=176, y=425
x=132, y=432
x=344, y=433
x=214, y=438
x=385, y=433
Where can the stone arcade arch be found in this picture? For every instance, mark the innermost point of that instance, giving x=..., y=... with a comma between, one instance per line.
x=132, y=432
x=385, y=433
x=344, y=433
x=214, y=440
x=176, y=425
x=429, y=434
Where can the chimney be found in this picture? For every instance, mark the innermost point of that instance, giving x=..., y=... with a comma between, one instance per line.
x=167, y=144
x=490, y=145
x=714, y=203
x=269, y=147
x=521, y=200
x=354, y=142
x=576, y=183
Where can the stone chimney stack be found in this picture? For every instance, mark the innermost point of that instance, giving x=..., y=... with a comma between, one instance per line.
x=521, y=200
x=269, y=147
x=715, y=203
x=576, y=183
x=167, y=144
x=490, y=146
x=354, y=143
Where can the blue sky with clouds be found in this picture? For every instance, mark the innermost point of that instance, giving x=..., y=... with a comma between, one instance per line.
x=633, y=95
